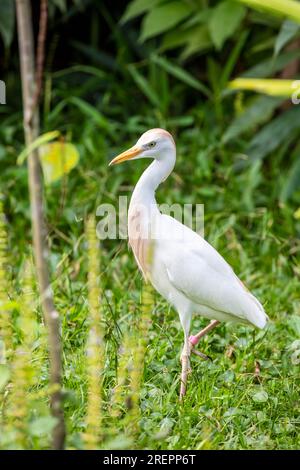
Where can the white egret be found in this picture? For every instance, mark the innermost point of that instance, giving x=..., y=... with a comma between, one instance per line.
x=184, y=268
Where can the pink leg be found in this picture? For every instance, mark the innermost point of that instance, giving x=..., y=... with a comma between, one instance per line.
x=184, y=374
x=194, y=340
x=188, y=348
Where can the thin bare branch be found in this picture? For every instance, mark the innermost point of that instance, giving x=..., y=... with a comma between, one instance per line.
x=31, y=129
x=40, y=55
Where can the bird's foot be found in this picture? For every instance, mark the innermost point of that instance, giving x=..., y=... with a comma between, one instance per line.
x=201, y=354
x=194, y=340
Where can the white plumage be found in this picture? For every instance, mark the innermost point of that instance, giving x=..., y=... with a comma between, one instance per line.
x=184, y=268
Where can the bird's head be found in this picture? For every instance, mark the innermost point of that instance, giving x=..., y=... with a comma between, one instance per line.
x=154, y=143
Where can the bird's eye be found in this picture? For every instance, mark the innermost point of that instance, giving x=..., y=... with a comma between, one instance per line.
x=151, y=144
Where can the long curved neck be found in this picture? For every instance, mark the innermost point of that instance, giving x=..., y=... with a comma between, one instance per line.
x=156, y=173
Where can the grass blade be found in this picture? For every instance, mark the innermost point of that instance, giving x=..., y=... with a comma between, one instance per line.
x=260, y=111
x=274, y=134
x=42, y=139
x=180, y=74
x=144, y=86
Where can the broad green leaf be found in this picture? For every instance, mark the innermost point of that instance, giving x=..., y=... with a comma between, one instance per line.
x=57, y=159
x=137, y=7
x=195, y=39
x=199, y=42
x=295, y=346
x=42, y=426
x=7, y=21
x=288, y=30
x=232, y=412
x=269, y=86
x=119, y=442
x=297, y=214
x=4, y=375
x=259, y=111
x=277, y=132
x=164, y=17
x=260, y=397
x=200, y=17
x=227, y=376
x=224, y=21
x=9, y=305
x=286, y=8
x=42, y=139
x=177, y=38
x=144, y=86
x=180, y=73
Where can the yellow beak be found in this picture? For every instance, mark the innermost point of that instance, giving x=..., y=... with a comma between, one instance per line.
x=127, y=155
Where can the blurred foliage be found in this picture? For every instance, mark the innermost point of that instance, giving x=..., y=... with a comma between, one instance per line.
x=111, y=74
x=196, y=26
x=57, y=159
x=160, y=52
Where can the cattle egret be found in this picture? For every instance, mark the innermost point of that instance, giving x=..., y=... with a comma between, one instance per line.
x=184, y=268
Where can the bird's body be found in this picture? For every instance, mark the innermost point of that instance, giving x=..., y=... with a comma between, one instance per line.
x=197, y=279
x=182, y=266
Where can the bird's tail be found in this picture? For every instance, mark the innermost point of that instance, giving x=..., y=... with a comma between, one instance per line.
x=256, y=313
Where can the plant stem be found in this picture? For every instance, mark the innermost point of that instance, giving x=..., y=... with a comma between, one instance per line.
x=95, y=345
x=40, y=248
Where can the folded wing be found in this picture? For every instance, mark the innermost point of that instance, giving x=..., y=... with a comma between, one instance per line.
x=204, y=277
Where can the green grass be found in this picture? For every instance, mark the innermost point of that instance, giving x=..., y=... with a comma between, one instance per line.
x=226, y=406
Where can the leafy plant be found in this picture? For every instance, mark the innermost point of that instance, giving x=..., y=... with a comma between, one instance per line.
x=198, y=28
